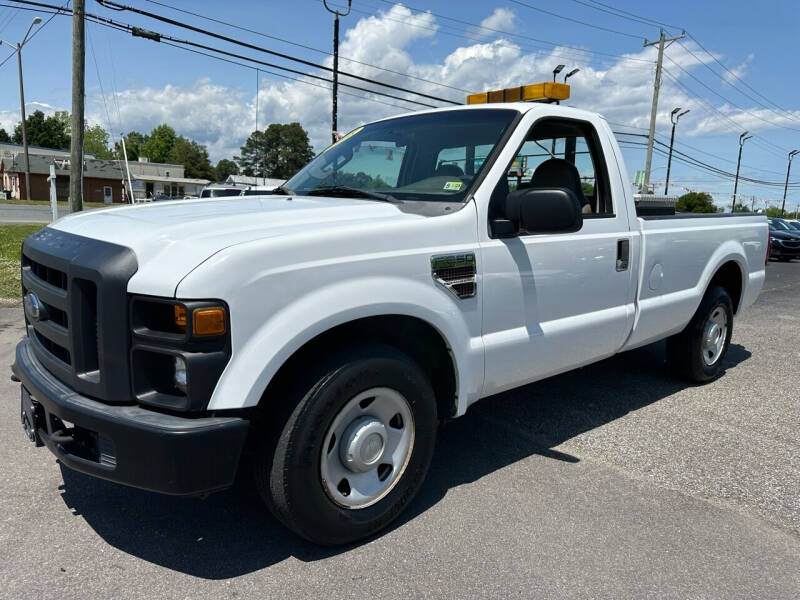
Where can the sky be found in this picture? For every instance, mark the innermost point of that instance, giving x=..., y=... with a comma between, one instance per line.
x=735, y=70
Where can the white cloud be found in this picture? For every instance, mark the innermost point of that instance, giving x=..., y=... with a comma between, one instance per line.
x=502, y=19
x=221, y=117
x=738, y=72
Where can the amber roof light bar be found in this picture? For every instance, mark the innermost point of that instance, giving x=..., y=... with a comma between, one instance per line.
x=549, y=91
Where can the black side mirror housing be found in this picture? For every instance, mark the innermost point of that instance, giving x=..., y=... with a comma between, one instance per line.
x=544, y=210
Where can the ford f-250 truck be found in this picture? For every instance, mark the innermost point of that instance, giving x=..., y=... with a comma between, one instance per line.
x=324, y=331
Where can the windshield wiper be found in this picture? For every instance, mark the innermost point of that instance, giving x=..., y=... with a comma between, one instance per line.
x=281, y=191
x=342, y=191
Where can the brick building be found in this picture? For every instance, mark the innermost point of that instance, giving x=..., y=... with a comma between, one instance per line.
x=103, y=180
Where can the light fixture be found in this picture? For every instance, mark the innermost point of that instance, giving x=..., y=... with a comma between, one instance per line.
x=558, y=70
x=570, y=74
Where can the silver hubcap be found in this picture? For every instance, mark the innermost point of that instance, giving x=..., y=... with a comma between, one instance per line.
x=715, y=335
x=367, y=448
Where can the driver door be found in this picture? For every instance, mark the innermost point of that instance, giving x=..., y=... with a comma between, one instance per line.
x=556, y=301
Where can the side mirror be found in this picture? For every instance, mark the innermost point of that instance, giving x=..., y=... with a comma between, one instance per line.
x=544, y=210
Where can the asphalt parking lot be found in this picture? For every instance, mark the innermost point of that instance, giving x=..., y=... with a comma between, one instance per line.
x=611, y=481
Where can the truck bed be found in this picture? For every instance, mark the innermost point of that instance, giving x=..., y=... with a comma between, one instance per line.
x=680, y=254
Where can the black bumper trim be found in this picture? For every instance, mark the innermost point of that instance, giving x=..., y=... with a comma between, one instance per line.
x=153, y=451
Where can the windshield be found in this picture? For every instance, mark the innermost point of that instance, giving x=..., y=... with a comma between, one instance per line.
x=778, y=225
x=220, y=192
x=433, y=156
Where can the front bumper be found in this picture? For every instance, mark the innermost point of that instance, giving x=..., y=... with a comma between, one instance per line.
x=129, y=444
x=776, y=251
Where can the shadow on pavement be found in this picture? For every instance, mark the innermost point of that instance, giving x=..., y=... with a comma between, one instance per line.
x=231, y=533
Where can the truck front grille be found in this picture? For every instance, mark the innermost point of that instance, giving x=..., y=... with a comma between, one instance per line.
x=49, y=286
x=72, y=281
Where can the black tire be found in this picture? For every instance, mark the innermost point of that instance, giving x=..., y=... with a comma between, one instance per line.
x=287, y=464
x=685, y=350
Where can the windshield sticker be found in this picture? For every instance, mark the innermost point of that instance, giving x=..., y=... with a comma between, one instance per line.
x=453, y=186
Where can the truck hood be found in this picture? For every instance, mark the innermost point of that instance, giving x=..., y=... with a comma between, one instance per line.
x=172, y=238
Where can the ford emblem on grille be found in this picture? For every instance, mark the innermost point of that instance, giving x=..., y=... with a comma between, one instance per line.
x=32, y=306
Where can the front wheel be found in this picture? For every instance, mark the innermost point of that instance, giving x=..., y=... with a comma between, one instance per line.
x=354, y=450
x=698, y=352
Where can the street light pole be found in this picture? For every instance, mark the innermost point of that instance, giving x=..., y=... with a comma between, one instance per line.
x=18, y=48
x=786, y=185
x=742, y=139
x=335, y=90
x=673, y=116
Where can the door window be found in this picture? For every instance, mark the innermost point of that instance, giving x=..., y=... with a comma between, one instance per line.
x=564, y=153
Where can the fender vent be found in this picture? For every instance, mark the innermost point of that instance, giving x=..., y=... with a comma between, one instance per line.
x=456, y=272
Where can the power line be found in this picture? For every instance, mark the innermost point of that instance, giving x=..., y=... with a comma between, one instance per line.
x=297, y=79
x=760, y=141
x=635, y=16
x=734, y=75
x=42, y=26
x=613, y=11
x=695, y=148
x=120, y=7
x=645, y=20
x=583, y=51
x=103, y=95
x=573, y=20
x=688, y=159
x=304, y=46
x=726, y=99
x=159, y=37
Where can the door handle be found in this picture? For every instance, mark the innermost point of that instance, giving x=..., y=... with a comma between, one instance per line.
x=623, y=254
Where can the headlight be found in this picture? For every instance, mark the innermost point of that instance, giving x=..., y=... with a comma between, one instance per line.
x=179, y=377
x=179, y=350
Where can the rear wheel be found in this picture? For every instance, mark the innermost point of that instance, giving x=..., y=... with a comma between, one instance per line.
x=355, y=448
x=698, y=352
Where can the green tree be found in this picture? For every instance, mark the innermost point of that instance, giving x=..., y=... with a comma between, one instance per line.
x=775, y=212
x=696, y=202
x=159, y=143
x=4, y=137
x=133, y=145
x=224, y=168
x=194, y=158
x=95, y=141
x=50, y=132
x=279, y=151
x=741, y=208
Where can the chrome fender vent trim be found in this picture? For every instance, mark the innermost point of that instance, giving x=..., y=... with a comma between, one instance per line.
x=455, y=272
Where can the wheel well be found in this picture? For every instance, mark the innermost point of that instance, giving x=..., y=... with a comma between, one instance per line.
x=412, y=336
x=729, y=276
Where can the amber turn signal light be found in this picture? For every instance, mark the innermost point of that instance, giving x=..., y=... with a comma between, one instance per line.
x=180, y=316
x=208, y=321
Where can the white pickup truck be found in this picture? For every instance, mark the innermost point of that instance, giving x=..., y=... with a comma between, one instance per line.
x=323, y=332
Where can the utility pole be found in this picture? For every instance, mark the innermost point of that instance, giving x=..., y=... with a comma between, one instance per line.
x=786, y=185
x=674, y=116
x=18, y=48
x=742, y=139
x=78, y=83
x=662, y=43
x=335, y=111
